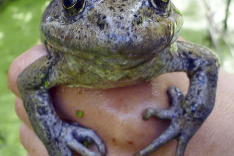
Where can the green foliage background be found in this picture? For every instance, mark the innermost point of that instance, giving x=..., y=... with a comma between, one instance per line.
x=19, y=31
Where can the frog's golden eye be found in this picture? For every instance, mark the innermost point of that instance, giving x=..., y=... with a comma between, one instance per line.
x=160, y=4
x=73, y=7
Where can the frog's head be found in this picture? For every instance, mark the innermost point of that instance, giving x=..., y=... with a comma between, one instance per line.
x=139, y=28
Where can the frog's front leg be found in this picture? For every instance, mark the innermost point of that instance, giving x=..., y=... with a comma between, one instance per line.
x=186, y=113
x=59, y=137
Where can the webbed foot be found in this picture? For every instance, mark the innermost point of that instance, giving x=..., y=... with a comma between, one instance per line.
x=182, y=126
x=75, y=138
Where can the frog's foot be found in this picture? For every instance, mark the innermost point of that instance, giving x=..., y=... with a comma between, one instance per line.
x=176, y=98
x=179, y=129
x=73, y=137
x=78, y=138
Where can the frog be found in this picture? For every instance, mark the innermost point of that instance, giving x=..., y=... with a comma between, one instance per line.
x=105, y=44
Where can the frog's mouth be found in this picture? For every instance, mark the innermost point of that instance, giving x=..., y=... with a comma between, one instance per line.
x=117, y=62
x=122, y=59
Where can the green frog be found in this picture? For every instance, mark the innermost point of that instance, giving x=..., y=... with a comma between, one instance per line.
x=114, y=43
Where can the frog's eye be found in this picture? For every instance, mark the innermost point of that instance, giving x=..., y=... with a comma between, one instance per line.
x=160, y=4
x=73, y=7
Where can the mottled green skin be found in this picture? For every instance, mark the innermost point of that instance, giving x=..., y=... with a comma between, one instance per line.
x=113, y=43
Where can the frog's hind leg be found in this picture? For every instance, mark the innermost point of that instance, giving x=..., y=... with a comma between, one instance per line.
x=174, y=130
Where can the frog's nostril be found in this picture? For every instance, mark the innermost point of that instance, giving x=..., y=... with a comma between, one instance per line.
x=103, y=17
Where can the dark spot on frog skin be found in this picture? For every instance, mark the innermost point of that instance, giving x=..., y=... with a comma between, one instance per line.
x=121, y=17
x=138, y=19
x=111, y=8
x=121, y=9
x=68, y=37
x=189, y=62
x=112, y=37
x=42, y=110
x=101, y=23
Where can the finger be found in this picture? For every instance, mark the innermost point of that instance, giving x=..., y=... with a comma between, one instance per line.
x=31, y=142
x=20, y=111
x=180, y=39
x=20, y=63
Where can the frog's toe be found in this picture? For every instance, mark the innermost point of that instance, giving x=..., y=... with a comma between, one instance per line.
x=182, y=142
x=175, y=114
x=161, y=114
x=176, y=98
x=171, y=133
x=81, y=137
x=174, y=131
x=148, y=113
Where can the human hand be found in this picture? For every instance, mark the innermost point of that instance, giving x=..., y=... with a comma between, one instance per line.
x=116, y=114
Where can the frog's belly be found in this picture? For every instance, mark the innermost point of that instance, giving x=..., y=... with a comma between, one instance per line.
x=93, y=77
